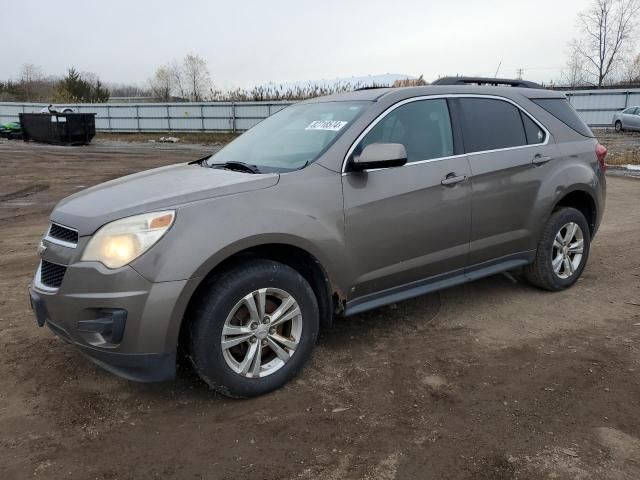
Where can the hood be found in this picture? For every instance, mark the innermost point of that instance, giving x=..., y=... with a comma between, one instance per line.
x=156, y=189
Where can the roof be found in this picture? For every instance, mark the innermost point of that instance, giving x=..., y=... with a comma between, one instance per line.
x=399, y=93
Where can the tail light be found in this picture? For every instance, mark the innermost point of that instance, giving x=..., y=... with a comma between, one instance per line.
x=601, y=153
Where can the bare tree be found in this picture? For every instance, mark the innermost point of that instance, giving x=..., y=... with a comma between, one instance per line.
x=607, y=28
x=162, y=83
x=196, y=75
x=574, y=73
x=30, y=77
x=631, y=70
x=176, y=73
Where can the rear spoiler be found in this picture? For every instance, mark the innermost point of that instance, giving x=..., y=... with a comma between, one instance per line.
x=497, y=82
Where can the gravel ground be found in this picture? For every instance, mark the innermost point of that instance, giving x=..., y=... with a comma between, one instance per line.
x=623, y=151
x=489, y=380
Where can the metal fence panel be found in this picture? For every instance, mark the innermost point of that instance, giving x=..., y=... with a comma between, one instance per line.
x=599, y=102
x=634, y=99
x=218, y=124
x=152, y=111
x=154, y=124
x=596, y=107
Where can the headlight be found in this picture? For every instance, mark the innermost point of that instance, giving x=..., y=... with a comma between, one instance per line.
x=121, y=242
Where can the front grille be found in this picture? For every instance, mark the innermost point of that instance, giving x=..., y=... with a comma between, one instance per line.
x=51, y=274
x=63, y=233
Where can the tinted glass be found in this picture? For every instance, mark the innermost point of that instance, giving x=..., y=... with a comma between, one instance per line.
x=534, y=133
x=490, y=124
x=423, y=127
x=293, y=137
x=630, y=111
x=564, y=111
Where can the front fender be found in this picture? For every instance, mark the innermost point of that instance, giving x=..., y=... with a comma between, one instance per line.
x=304, y=211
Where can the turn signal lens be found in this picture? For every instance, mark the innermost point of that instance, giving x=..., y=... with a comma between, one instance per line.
x=164, y=221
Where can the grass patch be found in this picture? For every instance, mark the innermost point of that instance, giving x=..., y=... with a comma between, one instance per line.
x=206, y=138
x=624, y=159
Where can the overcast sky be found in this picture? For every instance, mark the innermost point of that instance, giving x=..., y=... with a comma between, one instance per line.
x=253, y=42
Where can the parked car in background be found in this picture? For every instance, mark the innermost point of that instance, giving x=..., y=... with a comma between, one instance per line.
x=51, y=109
x=333, y=206
x=628, y=119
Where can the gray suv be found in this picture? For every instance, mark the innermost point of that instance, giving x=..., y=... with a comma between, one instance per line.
x=333, y=206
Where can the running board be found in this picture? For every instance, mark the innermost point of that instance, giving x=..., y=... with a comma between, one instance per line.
x=439, y=282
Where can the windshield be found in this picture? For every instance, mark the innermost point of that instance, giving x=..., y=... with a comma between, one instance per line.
x=292, y=138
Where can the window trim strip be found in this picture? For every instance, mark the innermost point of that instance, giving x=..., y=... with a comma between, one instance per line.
x=437, y=159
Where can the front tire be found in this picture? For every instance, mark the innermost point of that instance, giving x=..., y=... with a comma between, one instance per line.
x=618, y=126
x=562, y=251
x=253, y=328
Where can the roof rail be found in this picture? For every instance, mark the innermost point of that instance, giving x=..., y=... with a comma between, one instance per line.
x=370, y=87
x=486, y=81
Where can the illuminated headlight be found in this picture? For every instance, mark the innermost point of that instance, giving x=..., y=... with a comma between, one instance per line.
x=121, y=242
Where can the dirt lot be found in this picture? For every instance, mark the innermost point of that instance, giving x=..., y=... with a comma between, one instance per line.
x=490, y=380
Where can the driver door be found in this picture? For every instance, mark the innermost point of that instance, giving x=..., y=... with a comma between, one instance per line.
x=402, y=224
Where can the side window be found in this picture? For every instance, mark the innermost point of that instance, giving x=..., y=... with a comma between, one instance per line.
x=423, y=127
x=534, y=133
x=490, y=124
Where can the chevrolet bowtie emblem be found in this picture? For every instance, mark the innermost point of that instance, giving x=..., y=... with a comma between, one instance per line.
x=41, y=248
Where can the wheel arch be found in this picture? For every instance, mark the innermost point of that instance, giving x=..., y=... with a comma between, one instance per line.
x=583, y=201
x=328, y=296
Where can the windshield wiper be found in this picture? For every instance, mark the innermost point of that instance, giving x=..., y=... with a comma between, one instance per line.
x=241, y=166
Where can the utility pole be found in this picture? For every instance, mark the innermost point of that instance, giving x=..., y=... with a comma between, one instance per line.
x=519, y=72
x=498, y=69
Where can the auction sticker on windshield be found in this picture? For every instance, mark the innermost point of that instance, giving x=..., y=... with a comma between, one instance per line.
x=333, y=125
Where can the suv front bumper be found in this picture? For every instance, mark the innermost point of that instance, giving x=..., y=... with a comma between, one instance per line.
x=117, y=318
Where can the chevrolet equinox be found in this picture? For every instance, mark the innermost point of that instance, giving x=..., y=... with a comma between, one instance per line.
x=332, y=206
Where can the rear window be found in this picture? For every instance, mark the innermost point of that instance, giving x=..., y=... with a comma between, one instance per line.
x=564, y=111
x=490, y=124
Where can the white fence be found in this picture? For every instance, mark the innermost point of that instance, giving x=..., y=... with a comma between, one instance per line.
x=596, y=107
x=162, y=117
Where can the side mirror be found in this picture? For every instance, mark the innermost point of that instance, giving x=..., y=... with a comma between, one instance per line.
x=380, y=155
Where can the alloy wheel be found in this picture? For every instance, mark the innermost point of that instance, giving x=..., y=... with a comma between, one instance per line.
x=567, y=250
x=261, y=332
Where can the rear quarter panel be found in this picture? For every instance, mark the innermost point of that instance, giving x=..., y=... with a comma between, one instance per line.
x=575, y=167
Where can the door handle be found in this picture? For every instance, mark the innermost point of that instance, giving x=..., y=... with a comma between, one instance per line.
x=451, y=179
x=540, y=159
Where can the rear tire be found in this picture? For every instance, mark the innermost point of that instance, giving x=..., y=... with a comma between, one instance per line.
x=562, y=251
x=241, y=341
x=618, y=126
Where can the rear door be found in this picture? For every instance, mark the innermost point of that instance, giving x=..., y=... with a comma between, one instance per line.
x=402, y=224
x=508, y=155
x=628, y=121
x=634, y=119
